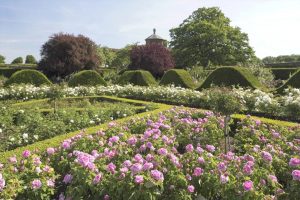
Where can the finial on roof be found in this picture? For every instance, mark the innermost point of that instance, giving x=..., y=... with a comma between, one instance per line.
x=154, y=30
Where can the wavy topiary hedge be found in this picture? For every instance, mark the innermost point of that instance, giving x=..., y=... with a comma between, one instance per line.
x=28, y=76
x=228, y=76
x=178, y=77
x=137, y=77
x=293, y=81
x=86, y=78
x=283, y=73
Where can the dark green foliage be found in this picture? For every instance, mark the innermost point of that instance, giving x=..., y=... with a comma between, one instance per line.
x=228, y=76
x=283, y=73
x=178, y=77
x=86, y=78
x=294, y=82
x=7, y=72
x=18, y=60
x=137, y=77
x=8, y=69
x=30, y=59
x=2, y=59
x=28, y=76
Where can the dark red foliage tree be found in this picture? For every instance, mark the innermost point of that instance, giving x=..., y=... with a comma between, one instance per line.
x=151, y=57
x=64, y=54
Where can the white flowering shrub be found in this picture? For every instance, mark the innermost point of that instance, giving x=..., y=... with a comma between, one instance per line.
x=252, y=101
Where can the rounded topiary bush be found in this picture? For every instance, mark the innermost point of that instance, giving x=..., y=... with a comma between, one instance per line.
x=229, y=76
x=86, y=78
x=137, y=77
x=28, y=76
x=293, y=81
x=178, y=77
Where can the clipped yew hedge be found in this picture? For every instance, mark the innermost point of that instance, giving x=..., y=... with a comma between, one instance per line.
x=283, y=73
x=28, y=76
x=86, y=78
x=228, y=76
x=137, y=77
x=178, y=77
x=293, y=81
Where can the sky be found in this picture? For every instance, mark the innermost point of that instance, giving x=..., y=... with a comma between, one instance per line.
x=25, y=25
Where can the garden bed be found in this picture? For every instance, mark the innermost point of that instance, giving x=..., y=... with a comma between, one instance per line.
x=139, y=159
x=28, y=122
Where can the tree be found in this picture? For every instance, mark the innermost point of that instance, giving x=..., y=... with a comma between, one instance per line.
x=206, y=37
x=64, y=54
x=281, y=59
x=151, y=57
x=18, y=60
x=106, y=55
x=30, y=59
x=122, y=59
x=2, y=59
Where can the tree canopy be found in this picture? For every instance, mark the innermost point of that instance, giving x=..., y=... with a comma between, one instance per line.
x=64, y=54
x=206, y=37
x=151, y=57
x=18, y=60
x=2, y=59
x=30, y=59
x=281, y=59
x=107, y=55
x=122, y=59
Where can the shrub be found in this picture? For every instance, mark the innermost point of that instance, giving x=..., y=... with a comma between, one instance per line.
x=64, y=54
x=28, y=76
x=264, y=75
x=178, y=77
x=228, y=76
x=86, y=78
x=293, y=81
x=30, y=59
x=151, y=57
x=198, y=73
x=283, y=73
x=2, y=59
x=18, y=60
x=137, y=77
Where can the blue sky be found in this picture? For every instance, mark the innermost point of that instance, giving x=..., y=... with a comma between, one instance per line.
x=272, y=25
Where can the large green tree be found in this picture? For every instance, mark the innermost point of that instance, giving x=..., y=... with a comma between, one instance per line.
x=107, y=55
x=122, y=59
x=206, y=37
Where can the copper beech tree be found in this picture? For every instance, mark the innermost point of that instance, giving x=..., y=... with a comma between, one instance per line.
x=151, y=57
x=64, y=54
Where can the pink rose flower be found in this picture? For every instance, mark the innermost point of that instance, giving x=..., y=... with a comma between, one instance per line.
x=191, y=188
x=248, y=185
x=296, y=175
x=26, y=153
x=36, y=184
x=139, y=179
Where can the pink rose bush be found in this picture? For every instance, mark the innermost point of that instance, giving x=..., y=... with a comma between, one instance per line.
x=177, y=154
